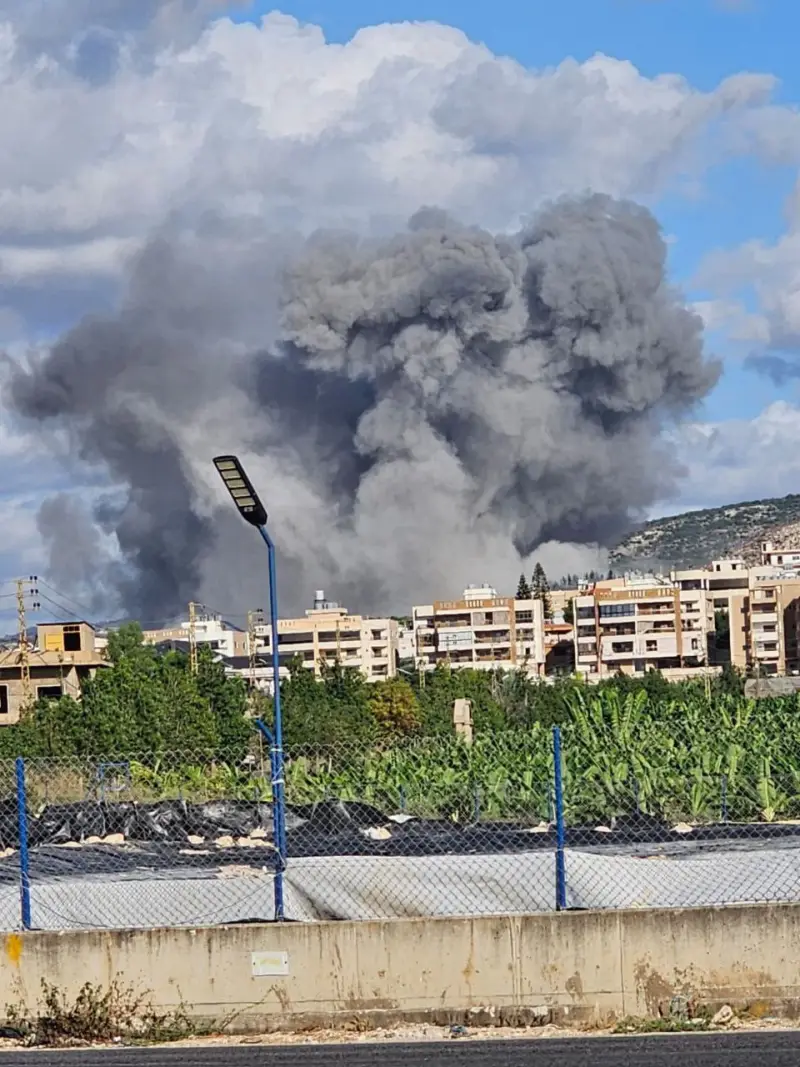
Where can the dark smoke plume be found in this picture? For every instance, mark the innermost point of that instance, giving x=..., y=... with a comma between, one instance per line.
x=426, y=409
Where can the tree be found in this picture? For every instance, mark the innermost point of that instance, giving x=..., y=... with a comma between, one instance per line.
x=569, y=612
x=540, y=589
x=227, y=701
x=394, y=705
x=523, y=589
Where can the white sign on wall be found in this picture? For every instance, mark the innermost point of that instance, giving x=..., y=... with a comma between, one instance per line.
x=269, y=964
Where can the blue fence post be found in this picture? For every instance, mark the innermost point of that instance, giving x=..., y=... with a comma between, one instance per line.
x=278, y=824
x=24, y=859
x=561, y=865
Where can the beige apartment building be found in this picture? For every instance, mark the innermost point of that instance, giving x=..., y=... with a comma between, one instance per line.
x=63, y=656
x=481, y=630
x=329, y=634
x=641, y=625
x=669, y=624
x=765, y=625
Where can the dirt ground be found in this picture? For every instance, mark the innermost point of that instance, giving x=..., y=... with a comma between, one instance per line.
x=437, y=1033
x=421, y=1033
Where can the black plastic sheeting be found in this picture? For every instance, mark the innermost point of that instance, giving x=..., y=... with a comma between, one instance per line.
x=337, y=828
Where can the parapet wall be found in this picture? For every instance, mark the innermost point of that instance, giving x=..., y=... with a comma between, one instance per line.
x=579, y=967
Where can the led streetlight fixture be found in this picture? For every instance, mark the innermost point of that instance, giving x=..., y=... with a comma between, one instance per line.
x=253, y=511
x=241, y=489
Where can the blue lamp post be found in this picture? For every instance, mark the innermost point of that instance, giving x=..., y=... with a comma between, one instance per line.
x=253, y=511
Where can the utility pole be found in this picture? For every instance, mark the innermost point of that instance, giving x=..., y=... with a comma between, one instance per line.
x=24, y=646
x=253, y=618
x=193, y=637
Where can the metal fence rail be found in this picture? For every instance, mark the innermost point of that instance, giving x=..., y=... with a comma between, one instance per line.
x=512, y=822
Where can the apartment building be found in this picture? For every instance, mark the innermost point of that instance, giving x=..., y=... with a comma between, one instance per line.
x=209, y=629
x=63, y=656
x=329, y=634
x=765, y=640
x=481, y=630
x=648, y=623
x=783, y=558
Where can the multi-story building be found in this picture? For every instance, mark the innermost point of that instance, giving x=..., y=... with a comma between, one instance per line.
x=765, y=638
x=644, y=624
x=784, y=558
x=481, y=630
x=63, y=656
x=209, y=629
x=329, y=634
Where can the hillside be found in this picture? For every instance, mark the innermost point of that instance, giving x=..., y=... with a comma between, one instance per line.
x=694, y=538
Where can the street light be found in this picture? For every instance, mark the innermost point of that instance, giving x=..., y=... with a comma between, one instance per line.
x=253, y=511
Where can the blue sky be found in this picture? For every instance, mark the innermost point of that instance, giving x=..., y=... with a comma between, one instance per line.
x=705, y=41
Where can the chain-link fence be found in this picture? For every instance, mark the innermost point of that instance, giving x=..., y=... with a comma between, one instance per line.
x=174, y=840
x=442, y=827
x=519, y=821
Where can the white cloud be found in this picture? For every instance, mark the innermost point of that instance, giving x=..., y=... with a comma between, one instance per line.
x=273, y=121
x=740, y=459
x=119, y=118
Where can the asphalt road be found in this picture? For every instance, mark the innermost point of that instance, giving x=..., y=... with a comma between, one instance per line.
x=712, y=1050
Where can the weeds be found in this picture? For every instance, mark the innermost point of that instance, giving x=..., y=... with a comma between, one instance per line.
x=118, y=1014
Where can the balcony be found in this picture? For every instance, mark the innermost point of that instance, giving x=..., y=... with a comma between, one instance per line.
x=492, y=638
x=763, y=617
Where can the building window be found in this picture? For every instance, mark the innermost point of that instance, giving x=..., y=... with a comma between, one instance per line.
x=524, y=616
x=296, y=638
x=49, y=692
x=622, y=646
x=3, y=700
x=651, y=646
x=608, y=611
x=72, y=637
x=586, y=613
x=695, y=643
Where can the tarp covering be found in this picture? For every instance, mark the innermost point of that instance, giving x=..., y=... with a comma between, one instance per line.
x=182, y=864
x=235, y=888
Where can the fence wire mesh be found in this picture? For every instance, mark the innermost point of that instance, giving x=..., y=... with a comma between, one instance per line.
x=434, y=826
x=181, y=839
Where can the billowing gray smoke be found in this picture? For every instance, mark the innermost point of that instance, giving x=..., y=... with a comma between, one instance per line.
x=429, y=410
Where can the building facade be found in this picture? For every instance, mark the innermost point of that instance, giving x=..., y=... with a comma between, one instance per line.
x=641, y=625
x=329, y=634
x=481, y=630
x=63, y=656
x=209, y=629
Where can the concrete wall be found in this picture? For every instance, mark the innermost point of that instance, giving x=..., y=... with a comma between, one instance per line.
x=579, y=967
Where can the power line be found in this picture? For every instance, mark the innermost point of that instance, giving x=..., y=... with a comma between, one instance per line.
x=59, y=607
x=87, y=612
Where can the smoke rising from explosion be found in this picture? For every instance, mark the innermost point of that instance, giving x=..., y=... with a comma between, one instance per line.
x=422, y=410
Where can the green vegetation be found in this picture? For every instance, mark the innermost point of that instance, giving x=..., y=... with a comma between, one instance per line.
x=145, y=702
x=690, y=751
x=680, y=752
x=540, y=590
x=95, y=1016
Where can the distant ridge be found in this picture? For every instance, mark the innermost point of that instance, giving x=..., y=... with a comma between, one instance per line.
x=694, y=538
